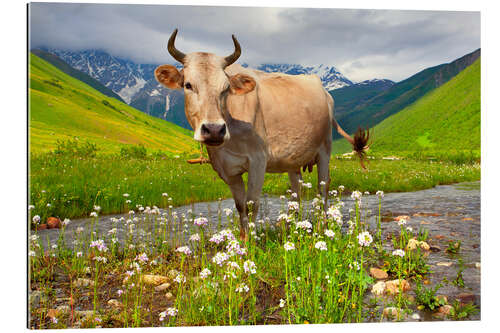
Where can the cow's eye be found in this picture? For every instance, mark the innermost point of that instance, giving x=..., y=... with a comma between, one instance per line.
x=188, y=86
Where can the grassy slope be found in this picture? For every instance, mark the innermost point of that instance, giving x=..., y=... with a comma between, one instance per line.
x=62, y=107
x=447, y=118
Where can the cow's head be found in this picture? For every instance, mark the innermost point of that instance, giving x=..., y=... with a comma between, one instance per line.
x=206, y=87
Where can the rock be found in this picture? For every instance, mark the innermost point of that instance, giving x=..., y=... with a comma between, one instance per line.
x=477, y=265
x=41, y=227
x=424, y=246
x=115, y=303
x=424, y=222
x=394, y=285
x=415, y=316
x=467, y=219
x=169, y=296
x=446, y=264
x=466, y=298
x=426, y=214
x=82, y=282
x=442, y=298
x=154, y=280
x=378, y=274
x=412, y=244
x=439, y=237
x=162, y=287
x=445, y=310
x=391, y=312
x=52, y=313
x=63, y=309
x=379, y=288
x=53, y=223
x=435, y=248
x=401, y=217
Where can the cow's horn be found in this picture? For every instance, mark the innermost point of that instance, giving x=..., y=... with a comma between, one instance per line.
x=178, y=55
x=236, y=54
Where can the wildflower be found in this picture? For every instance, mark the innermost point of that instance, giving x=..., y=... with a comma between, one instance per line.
x=205, y=273
x=294, y=195
x=54, y=246
x=194, y=238
x=356, y=195
x=250, y=203
x=131, y=212
x=293, y=205
x=34, y=238
x=335, y=214
x=126, y=195
x=365, y=239
x=30, y=207
x=36, y=219
x=112, y=231
x=329, y=233
x=251, y=225
x=401, y=222
x=282, y=302
x=282, y=217
x=249, y=267
x=184, y=249
x=93, y=214
x=305, y=225
x=79, y=254
x=31, y=253
x=289, y=246
x=48, y=205
x=172, y=312
x=97, y=208
x=242, y=288
x=164, y=194
x=282, y=197
x=180, y=278
x=217, y=238
x=143, y=258
x=409, y=229
x=355, y=265
x=220, y=258
x=53, y=320
x=234, y=248
x=341, y=188
x=233, y=264
x=380, y=194
x=228, y=211
x=100, y=259
x=399, y=253
x=367, y=193
x=119, y=292
x=99, y=244
x=154, y=262
x=200, y=221
x=321, y=246
x=307, y=185
x=322, y=183
x=128, y=201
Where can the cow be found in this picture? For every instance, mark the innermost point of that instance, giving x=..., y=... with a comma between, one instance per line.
x=256, y=122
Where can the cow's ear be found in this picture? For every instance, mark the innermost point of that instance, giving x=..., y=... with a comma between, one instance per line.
x=169, y=76
x=241, y=84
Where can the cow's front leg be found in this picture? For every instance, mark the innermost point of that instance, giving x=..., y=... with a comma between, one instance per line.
x=237, y=187
x=295, y=177
x=256, y=175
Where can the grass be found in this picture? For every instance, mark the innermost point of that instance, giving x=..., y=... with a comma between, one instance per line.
x=64, y=108
x=67, y=184
x=307, y=267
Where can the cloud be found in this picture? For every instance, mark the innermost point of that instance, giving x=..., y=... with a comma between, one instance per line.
x=363, y=44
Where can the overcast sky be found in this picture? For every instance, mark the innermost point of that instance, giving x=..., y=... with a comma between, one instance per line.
x=362, y=44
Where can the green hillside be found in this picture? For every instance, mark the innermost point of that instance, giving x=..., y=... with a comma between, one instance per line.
x=62, y=107
x=447, y=118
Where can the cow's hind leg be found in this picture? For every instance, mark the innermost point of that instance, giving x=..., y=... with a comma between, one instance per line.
x=256, y=175
x=237, y=187
x=294, y=177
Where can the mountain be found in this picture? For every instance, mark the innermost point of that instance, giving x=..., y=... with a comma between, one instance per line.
x=136, y=85
x=62, y=107
x=349, y=97
x=79, y=75
x=403, y=93
x=446, y=118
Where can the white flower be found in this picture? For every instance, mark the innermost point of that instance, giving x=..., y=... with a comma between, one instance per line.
x=282, y=197
x=143, y=258
x=322, y=183
x=341, y=188
x=79, y=254
x=126, y=195
x=304, y=225
x=249, y=267
x=36, y=218
x=99, y=244
x=399, y=253
x=93, y=214
x=205, y=273
x=194, y=238
x=49, y=205
x=34, y=238
x=282, y=302
x=355, y=265
x=54, y=246
x=294, y=195
x=242, y=288
x=308, y=185
x=321, y=246
x=293, y=205
x=329, y=233
x=365, y=239
x=200, y=221
x=401, y=222
x=289, y=246
x=30, y=207
x=220, y=258
x=31, y=253
x=184, y=249
x=356, y=195
x=97, y=208
x=164, y=194
x=251, y=225
x=228, y=211
x=409, y=229
x=180, y=278
x=380, y=194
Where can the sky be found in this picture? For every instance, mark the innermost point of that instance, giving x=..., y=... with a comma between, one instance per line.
x=361, y=43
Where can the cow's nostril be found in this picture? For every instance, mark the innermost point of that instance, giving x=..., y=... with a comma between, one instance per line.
x=205, y=130
x=222, y=131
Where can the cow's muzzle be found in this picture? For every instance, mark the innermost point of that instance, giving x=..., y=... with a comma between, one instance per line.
x=213, y=134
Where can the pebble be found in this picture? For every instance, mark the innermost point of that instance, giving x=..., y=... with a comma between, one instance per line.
x=82, y=282
x=446, y=264
x=169, y=295
x=444, y=310
x=154, y=279
x=378, y=288
x=162, y=287
x=378, y=274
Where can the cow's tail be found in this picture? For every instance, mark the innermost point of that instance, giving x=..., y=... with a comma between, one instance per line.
x=359, y=142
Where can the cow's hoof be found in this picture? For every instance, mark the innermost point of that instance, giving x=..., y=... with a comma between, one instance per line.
x=244, y=237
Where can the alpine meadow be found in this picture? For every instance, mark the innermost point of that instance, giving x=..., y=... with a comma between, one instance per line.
x=131, y=226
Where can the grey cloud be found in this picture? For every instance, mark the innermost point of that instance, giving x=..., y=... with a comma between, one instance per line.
x=363, y=44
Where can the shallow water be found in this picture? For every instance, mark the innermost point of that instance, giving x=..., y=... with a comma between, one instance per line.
x=448, y=212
